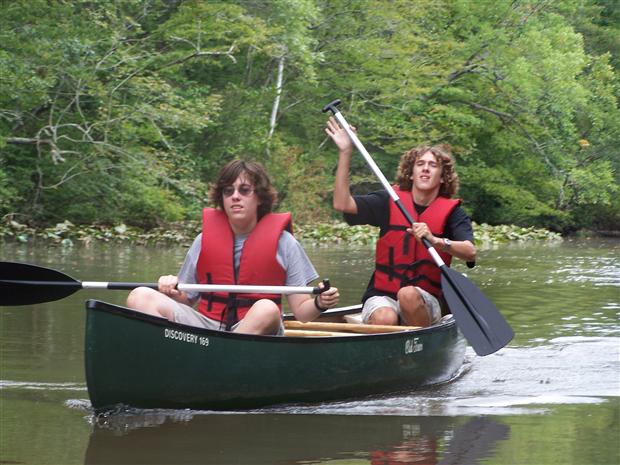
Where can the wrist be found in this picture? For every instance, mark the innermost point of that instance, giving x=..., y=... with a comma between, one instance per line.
x=318, y=305
x=446, y=245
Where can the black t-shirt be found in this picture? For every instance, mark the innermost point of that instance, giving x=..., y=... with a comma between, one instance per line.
x=374, y=209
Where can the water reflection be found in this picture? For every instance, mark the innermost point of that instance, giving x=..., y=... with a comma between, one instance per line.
x=181, y=437
x=474, y=440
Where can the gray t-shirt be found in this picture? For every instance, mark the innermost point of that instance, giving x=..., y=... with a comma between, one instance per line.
x=291, y=256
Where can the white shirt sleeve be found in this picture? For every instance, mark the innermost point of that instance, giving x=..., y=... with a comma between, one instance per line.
x=187, y=273
x=292, y=256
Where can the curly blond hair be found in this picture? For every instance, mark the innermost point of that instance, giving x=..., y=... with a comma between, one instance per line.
x=443, y=155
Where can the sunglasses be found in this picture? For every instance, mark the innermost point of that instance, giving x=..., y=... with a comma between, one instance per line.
x=244, y=189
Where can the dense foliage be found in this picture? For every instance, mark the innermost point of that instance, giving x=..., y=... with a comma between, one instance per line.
x=123, y=111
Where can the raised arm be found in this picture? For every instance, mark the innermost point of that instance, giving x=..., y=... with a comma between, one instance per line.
x=343, y=200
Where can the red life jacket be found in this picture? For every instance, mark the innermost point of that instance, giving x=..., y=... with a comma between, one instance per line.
x=401, y=260
x=257, y=266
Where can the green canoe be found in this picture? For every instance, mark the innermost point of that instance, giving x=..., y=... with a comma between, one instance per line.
x=135, y=360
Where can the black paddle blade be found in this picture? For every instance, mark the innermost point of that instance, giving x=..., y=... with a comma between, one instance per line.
x=477, y=317
x=24, y=284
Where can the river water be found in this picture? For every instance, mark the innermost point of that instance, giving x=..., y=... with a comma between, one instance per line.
x=552, y=396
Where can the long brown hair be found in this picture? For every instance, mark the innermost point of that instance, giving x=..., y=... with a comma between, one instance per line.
x=443, y=155
x=256, y=174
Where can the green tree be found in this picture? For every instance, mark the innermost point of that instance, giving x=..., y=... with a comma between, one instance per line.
x=126, y=110
x=508, y=84
x=97, y=110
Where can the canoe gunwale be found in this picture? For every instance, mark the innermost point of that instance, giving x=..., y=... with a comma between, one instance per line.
x=98, y=305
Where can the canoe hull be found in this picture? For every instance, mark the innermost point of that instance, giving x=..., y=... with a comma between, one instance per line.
x=140, y=361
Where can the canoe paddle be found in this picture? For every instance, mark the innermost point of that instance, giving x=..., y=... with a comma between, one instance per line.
x=24, y=284
x=477, y=317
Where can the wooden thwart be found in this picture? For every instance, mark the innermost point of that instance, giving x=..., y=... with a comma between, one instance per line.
x=345, y=327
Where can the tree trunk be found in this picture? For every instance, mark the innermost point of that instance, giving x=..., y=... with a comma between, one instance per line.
x=276, y=102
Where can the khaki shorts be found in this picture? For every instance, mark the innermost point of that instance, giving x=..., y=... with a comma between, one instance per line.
x=378, y=301
x=187, y=315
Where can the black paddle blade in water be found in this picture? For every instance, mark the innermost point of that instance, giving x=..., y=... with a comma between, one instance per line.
x=23, y=284
x=477, y=317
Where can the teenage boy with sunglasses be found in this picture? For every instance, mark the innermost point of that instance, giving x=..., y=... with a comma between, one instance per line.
x=242, y=242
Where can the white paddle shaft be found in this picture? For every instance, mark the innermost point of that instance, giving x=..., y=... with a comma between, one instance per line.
x=240, y=289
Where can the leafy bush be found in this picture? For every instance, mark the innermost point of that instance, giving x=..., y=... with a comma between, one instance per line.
x=493, y=197
x=8, y=194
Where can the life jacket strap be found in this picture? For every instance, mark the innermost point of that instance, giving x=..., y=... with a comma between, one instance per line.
x=405, y=273
x=231, y=311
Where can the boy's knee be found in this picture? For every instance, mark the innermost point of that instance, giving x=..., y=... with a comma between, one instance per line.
x=384, y=316
x=138, y=296
x=268, y=309
x=409, y=296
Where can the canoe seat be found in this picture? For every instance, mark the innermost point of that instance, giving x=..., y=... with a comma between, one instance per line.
x=355, y=318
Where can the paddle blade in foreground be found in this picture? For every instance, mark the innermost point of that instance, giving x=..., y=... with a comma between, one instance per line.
x=477, y=317
x=24, y=284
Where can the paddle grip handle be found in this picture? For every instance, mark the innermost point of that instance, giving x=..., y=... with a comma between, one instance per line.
x=331, y=106
x=317, y=290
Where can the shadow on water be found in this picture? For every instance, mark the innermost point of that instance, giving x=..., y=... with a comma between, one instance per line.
x=181, y=437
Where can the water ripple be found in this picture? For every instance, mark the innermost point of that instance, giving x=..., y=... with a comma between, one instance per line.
x=35, y=385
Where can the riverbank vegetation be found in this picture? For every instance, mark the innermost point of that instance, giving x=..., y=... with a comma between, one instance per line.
x=122, y=112
x=66, y=234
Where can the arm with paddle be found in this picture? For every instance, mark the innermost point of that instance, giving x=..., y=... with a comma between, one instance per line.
x=343, y=200
x=242, y=242
x=477, y=317
x=26, y=284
